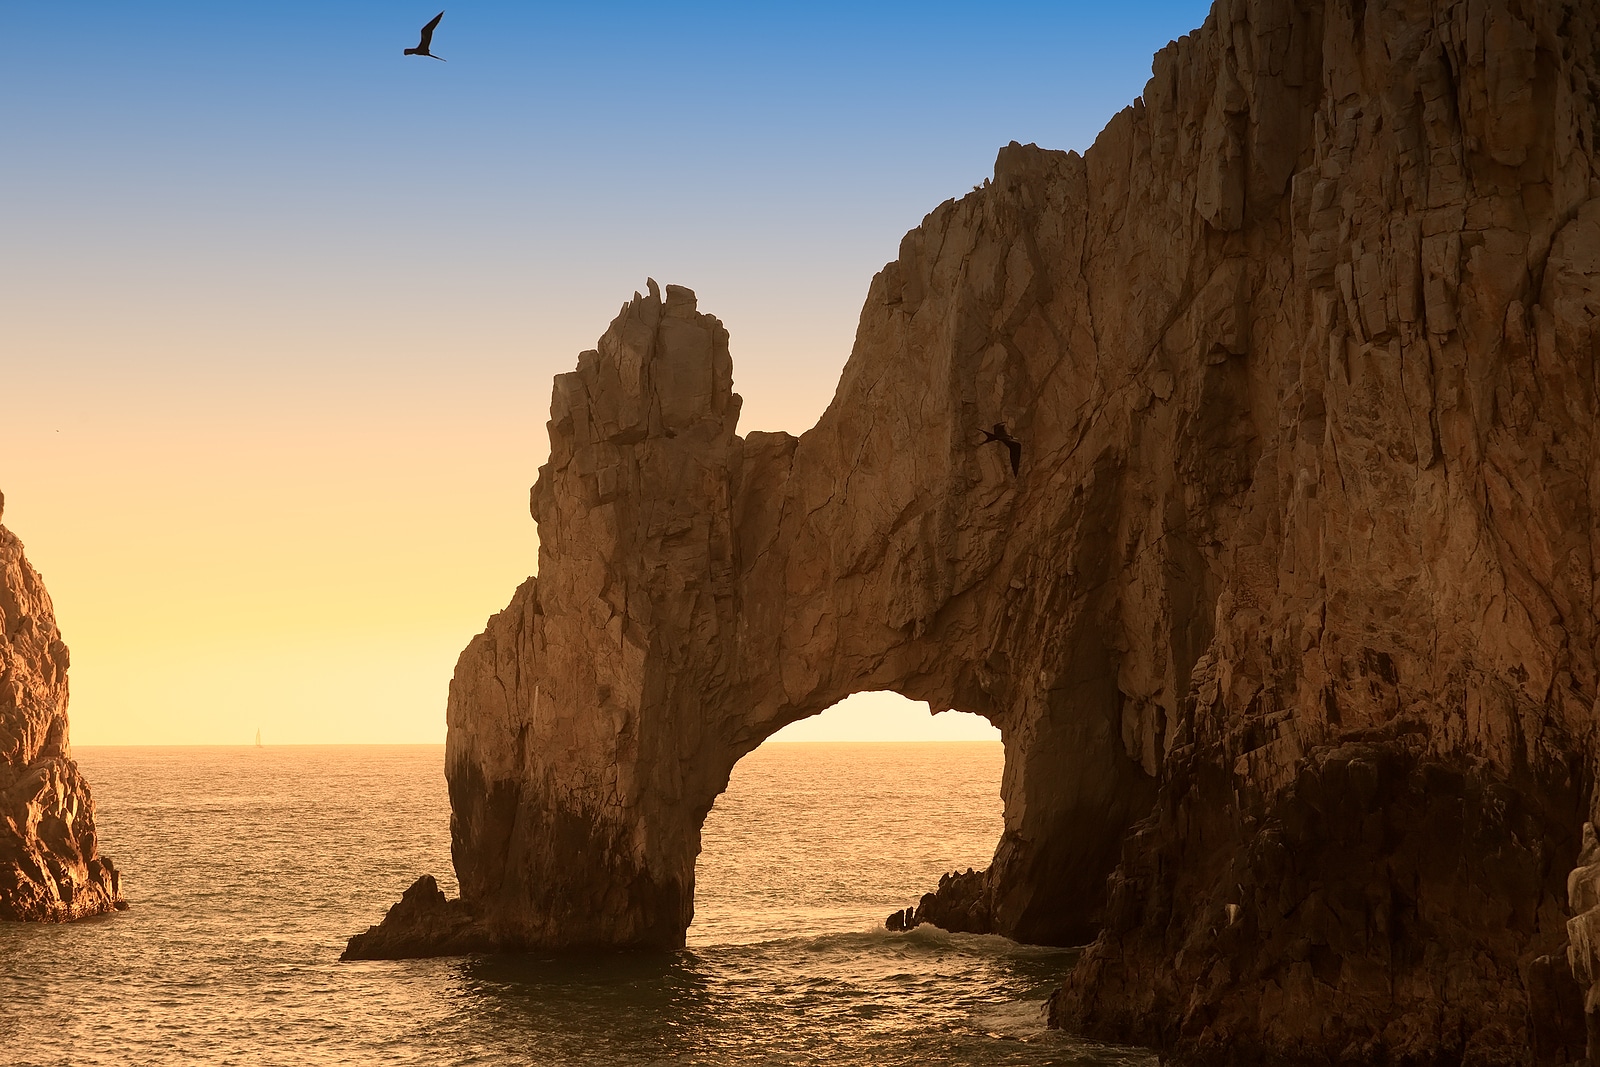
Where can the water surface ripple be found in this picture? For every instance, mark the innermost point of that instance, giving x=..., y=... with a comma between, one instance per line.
x=247, y=869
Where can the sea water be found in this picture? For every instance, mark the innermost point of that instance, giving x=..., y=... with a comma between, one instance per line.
x=247, y=868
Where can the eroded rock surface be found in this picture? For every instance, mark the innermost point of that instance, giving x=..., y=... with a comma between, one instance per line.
x=1288, y=615
x=51, y=869
x=1373, y=787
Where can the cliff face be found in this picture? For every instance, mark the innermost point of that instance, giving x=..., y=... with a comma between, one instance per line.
x=1375, y=782
x=1287, y=614
x=50, y=866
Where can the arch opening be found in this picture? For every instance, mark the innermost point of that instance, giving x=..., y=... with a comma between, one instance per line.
x=885, y=715
x=838, y=819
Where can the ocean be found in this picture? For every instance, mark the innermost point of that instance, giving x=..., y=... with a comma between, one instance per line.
x=247, y=868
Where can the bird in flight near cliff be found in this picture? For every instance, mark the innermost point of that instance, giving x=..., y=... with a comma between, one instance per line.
x=427, y=40
x=1013, y=445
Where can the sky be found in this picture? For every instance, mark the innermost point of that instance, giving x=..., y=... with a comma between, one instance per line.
x=280, y=306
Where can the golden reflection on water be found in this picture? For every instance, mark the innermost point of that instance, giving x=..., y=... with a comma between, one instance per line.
x=248, y=868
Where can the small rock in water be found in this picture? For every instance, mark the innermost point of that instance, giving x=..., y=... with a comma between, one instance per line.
x=423, y=923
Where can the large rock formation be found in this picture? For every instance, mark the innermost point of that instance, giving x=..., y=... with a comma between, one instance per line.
x=50, y=866
x=1288, y=616
x=1374, y=784
x=697, y=591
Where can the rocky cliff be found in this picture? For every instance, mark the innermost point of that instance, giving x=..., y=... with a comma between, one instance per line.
x=1286, y=609
x=51, y=869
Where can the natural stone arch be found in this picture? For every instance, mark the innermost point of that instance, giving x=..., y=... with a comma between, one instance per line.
x=698, y=590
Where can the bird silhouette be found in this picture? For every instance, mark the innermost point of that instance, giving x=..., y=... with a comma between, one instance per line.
x=427, y=40
x=1013, y=445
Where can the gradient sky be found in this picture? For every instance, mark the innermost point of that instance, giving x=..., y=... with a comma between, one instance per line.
x=279, y=306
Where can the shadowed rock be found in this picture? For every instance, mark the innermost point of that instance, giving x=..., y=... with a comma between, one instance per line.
x=962, y=904
x=422, y=923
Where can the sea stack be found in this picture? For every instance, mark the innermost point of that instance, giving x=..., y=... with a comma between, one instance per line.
x=1288, y=613
x=51, y=869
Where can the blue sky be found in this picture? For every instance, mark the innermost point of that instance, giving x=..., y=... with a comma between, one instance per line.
x=769, y=156
x=268, y=284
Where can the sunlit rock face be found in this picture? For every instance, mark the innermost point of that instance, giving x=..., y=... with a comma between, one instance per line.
x=50, y=866
x=1288, y=615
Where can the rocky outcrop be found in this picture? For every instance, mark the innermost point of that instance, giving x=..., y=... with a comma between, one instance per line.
x=424, y=922
x=1287, y=613
x=961, y=904
x=51, y=869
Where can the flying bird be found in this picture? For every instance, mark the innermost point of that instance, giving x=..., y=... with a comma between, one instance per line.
x=1013, y=445
x=426, y=40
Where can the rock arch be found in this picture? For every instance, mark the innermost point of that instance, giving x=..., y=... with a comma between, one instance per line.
x=698, y=591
